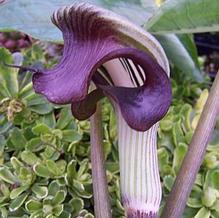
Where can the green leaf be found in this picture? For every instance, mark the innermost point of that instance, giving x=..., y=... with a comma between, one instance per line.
x=33, y=205
x=71, y=170
x=4, y=212
x=16, y=192
x=2, y=143
x=59, y=197
x=57, y=210
x=209, y=197
x=203, y=213
x=53, y=188
x=168, y=182
x=189, y=43
x=33, y=16
x=178, y=157
x=89, y=215
x=49, y=120
x=77, y=205
x=71, y=136
x=8, y=75
x=33, y=144
x=79, y=188
x=4, y=191
x=40, y=191
x=41, y=128
x=29, y=157
x=61, y=164
x=112, y=167
x=216, y=206
x=53, y=168
x=183, y=16
x=4, y=124
x=26, y=90
x=65, y=117
x=180, y=56
x=34, y=99
x=17, y=202
x=26, y=176
x=4, y=93
x=42, y=108
x=16, y=164
x=194, y=202
x=214, y=214
x=83, y=168
x=107, y=147
x=17, y=138
x=178, y=135
x=7, y=176
x=42, y=171
x=212, y=178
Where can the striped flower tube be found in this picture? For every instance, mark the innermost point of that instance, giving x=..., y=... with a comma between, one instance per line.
x=127, y=65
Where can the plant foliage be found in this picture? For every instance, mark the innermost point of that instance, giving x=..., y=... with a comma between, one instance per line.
x=45, y=169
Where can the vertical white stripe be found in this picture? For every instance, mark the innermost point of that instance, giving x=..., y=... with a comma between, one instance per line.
x=140, y=181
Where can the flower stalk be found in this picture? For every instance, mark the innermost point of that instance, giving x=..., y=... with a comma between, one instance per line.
x=99, y=179
x=185, y=179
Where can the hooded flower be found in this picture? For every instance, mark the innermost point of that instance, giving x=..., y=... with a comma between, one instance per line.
x=129, y=66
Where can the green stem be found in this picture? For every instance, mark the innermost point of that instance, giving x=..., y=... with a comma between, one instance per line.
x=182, y=187
x=99, y=179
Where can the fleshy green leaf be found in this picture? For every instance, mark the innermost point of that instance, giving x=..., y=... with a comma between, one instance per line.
x=203, y=213
x=17, y=138
x=53, y=188
x=16, y=192
x=71, y=136
x=179, y=154
x=56, y=169
x=77, y=205
x=216, y=205
x=17, y=202
x=194, y=202
x=209, y=197
x=33, y=16
x=183, y=16
x=41, y=128
x=168, y=182
x=49, y=120
x=7, y=176
x=40, y=191
x=29, y=157
x=212, y=178
x=178, y=54
x=42, y=108
x=33, y=205
x=57, y=210
x=8, y=76
x=65, y=118
x=16, y=164
x=59, y=197
x=42, y=171
x=33, y=144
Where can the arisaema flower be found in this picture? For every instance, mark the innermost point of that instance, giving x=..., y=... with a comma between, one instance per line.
x=129, y=66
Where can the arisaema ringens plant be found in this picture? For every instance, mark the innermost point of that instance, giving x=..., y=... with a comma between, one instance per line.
x=106, y=55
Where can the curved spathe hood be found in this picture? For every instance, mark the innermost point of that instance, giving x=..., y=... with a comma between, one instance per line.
x=93, y=36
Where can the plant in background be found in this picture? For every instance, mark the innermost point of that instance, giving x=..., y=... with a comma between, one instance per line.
x=129, y=66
